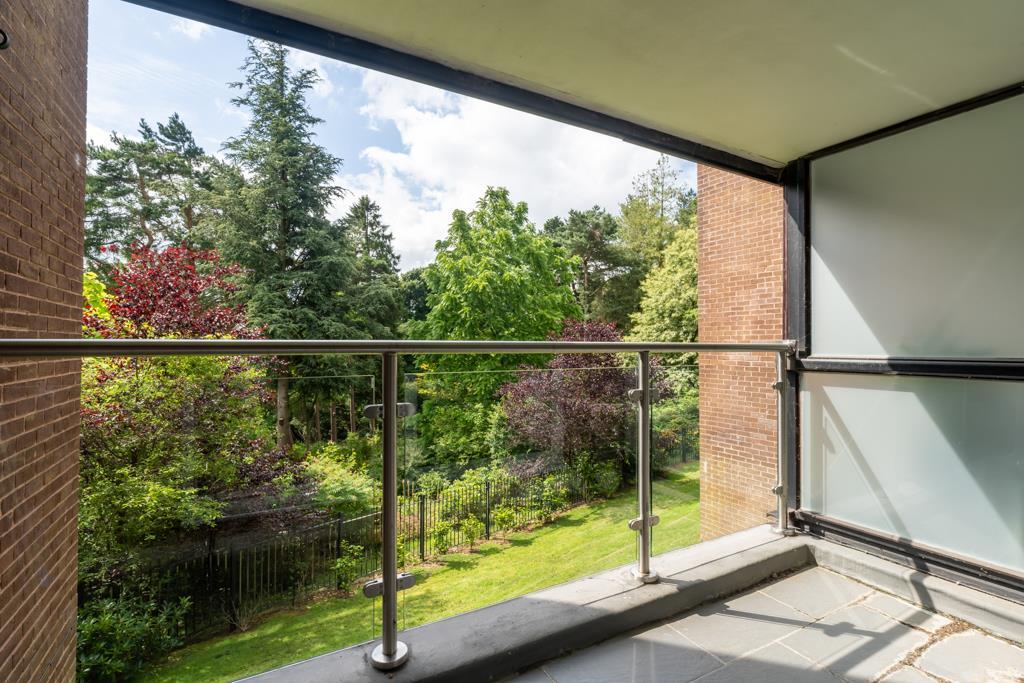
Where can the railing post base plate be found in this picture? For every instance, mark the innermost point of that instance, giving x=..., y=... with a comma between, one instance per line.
x=650, y=577
x=385, y=663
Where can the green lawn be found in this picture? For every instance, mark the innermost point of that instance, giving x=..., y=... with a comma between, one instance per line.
x=583, y=541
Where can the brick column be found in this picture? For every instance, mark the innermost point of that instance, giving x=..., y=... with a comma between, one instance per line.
x=42, y=165
x=740, y=289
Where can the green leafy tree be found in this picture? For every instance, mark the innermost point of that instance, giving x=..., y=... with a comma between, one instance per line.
x=606, y=283
x=150, y=192
x=668, y=309
x=494, y=277
x=273, y=221
x=668, y=313
x=414, y=294
x=162, y=439
x=656, y=208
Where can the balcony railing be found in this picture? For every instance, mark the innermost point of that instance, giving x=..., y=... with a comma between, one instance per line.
x=392, y=653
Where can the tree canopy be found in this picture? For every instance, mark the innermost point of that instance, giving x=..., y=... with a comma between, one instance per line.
x=495, y=277
x=606, y=279
x=658, y=206
x=376, y=293
x=298, y=265
x=150, y=191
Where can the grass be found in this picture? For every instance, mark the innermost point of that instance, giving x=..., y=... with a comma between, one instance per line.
x=584, y=540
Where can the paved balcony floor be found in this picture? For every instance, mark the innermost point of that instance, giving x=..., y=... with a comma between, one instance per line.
x=814, y=625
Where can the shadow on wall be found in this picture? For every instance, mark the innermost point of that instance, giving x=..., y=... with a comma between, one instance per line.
x=936, y=460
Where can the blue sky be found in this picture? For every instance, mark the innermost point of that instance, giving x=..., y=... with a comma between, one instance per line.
x=420, y=152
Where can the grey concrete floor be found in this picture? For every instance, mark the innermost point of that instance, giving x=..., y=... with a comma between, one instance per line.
x=814, y=625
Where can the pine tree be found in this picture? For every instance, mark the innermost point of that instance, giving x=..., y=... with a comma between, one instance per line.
x=654, y=211
x=606, y=284
x=372, y=239
x=376, y=290
x=148, y=192
x=273, y=220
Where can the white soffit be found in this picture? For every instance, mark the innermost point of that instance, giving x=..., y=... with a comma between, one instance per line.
x=767, y=80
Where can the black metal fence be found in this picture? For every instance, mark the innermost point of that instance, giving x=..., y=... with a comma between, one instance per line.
x=230, y=586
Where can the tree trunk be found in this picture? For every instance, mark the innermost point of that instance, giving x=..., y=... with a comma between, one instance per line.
x=352, y=410
x=334, y=423
x=284, y=420
x=318, y=435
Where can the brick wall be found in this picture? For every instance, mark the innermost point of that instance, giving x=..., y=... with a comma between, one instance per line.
x=42, y=154
x=740, y=288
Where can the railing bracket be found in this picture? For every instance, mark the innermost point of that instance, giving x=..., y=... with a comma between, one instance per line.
x=375, y=588
x=375, y=411
x=637, y=394
x=638, y=523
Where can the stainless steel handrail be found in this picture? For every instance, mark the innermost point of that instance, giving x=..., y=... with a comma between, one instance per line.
x=392, y=653
x=271, y=347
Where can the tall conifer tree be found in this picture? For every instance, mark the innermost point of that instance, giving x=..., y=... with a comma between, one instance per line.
x=274, y=219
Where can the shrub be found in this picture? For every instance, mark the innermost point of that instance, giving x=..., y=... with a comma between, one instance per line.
x=346, y=567
x=605, y=479
x=403, y=552
x=504, y=518
x=578, y=405
x=554, y=497
x=340, y=490
x=440, y=536
x=676, y=424
x=117, y=636
x=431, y=483
x=472, y=528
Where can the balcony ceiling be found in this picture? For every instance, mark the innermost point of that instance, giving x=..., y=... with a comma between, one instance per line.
x=768, y=81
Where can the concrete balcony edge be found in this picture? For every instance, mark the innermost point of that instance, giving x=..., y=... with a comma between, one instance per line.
x=499, y=640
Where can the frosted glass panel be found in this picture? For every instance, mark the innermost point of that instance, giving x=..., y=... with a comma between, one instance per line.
x=917, y=241
x=939, y=461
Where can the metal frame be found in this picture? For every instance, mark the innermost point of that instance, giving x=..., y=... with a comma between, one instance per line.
x=946, y=112
x=963, y=368
x=991, y=578
x=391, y=653
x=799, y=326
x=303, y=36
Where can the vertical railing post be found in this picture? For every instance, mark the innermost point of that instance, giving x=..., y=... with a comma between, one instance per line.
x=781, y=489
x=487, y=509
x=423, y=529
x=643, y=522
x=391, y=653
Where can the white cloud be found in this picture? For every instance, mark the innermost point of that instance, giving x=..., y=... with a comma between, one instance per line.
x=453, y=147
x=324, y=87
x=193, y=30
x=97, y=135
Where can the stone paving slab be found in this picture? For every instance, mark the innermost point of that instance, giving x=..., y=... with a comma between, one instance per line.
x=906, y=613
x=768, y=635
x=816, y=591
x=856, y=643
x=905, y=674
x=741, y=624
x=774, y=663
x=660, y=654
x=973, y=657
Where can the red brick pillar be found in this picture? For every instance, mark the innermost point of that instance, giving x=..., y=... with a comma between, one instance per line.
x=740, y=290
x=42, y=166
